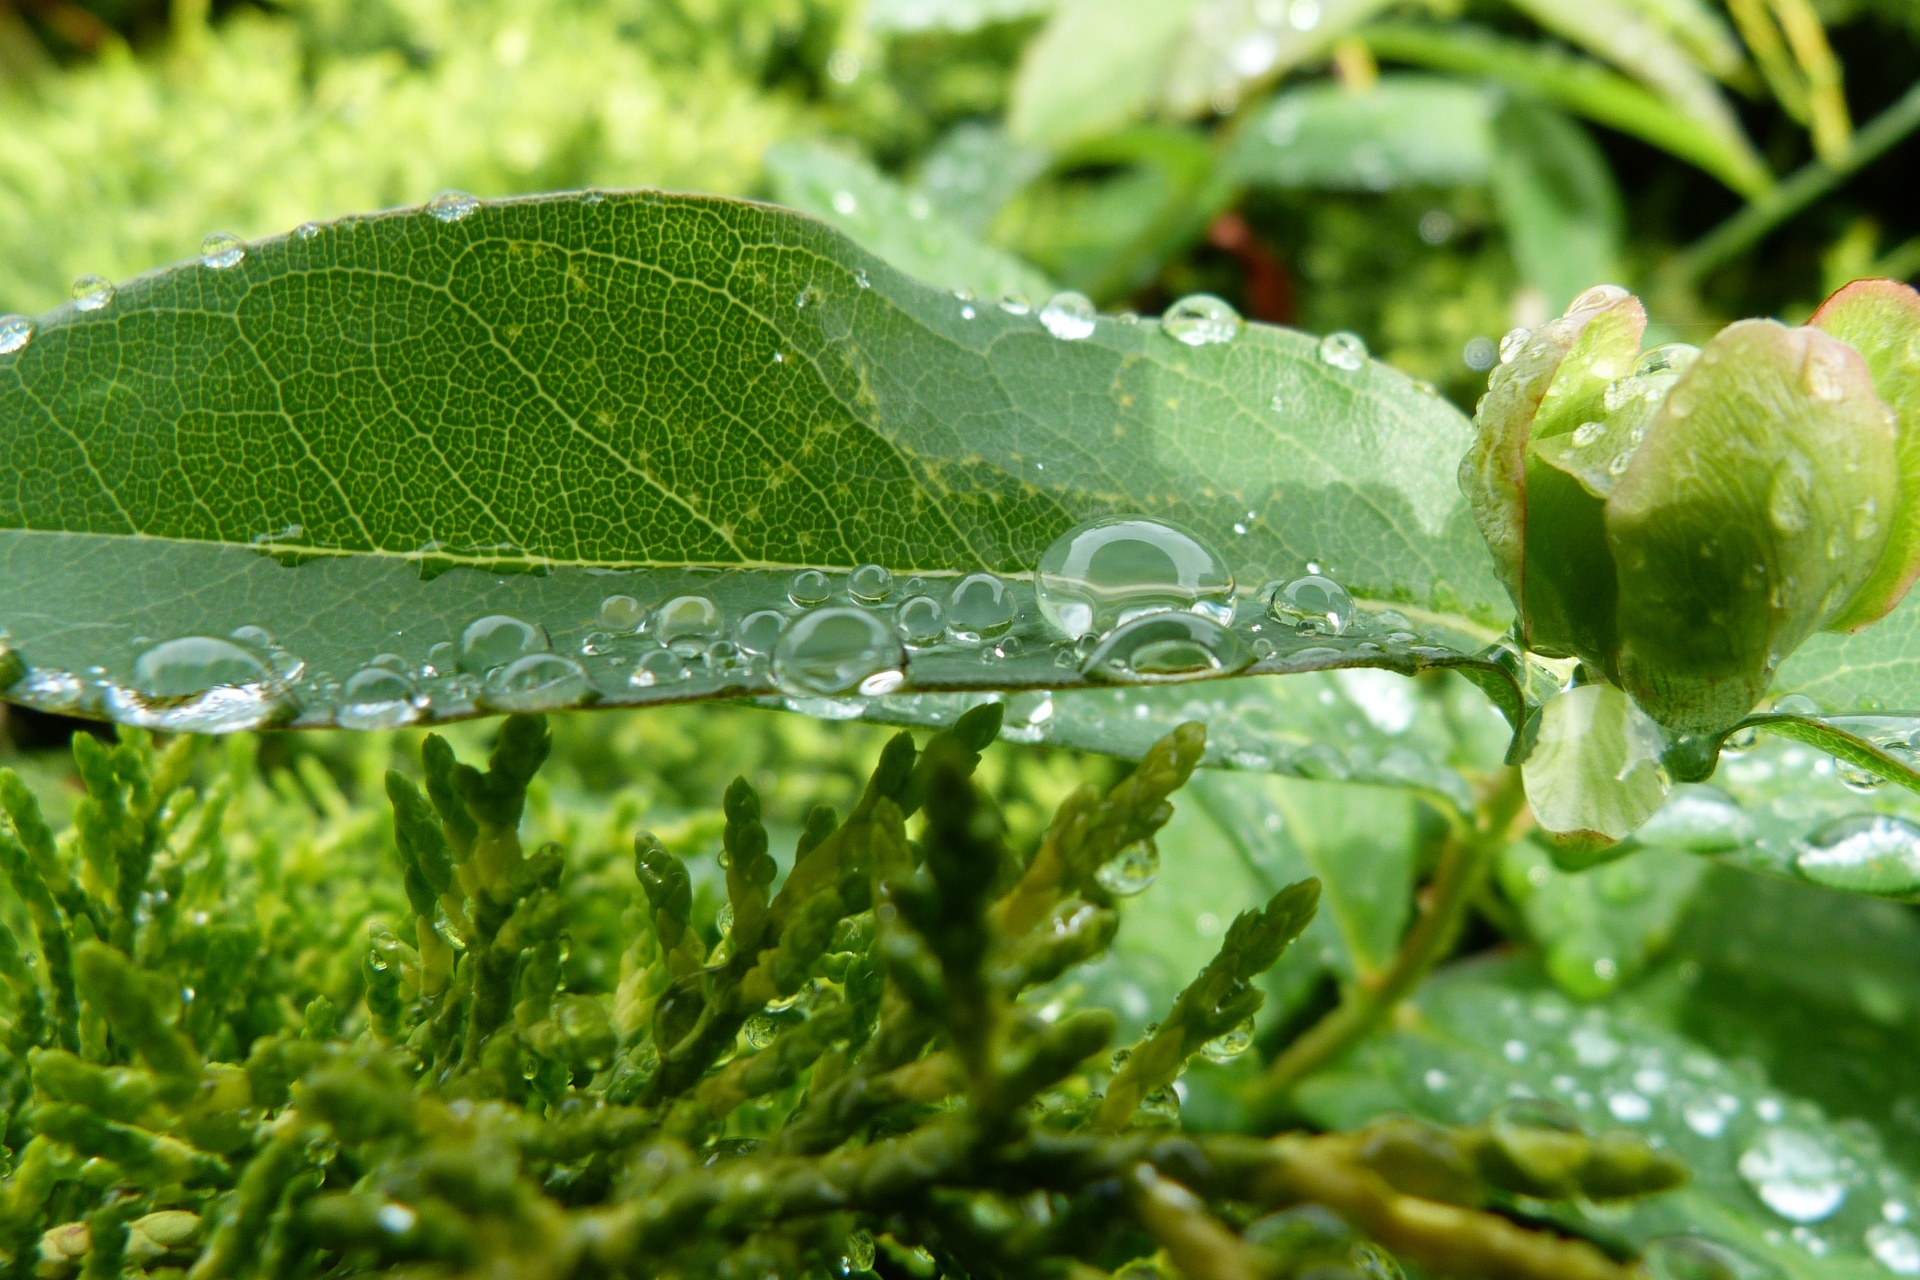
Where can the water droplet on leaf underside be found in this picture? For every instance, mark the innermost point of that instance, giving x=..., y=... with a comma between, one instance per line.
x=838, y=651
x=979, y=608
x=1877, y=853
x=376, y=697
x=1167, y=647
x=1111, y=570
x=1131, y=870
x=1068, y=316
x=1794, y=1175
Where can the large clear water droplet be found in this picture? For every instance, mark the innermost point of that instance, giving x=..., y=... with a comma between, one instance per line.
x=1069, y=316
x=980, y=607
x=759, y=631
x=91, y=293
x=1225, y=1048
x=920, y=621
x=858, y=1248
x=621, y=613
x=1315, y=604
x=1868, y=853
x=1167, y=647
x=537, y=682
x=1895, y=1248
x=1698, y=820
x=1108, y=571
x=1344, y=351
x=686, y=619
x=497, y=639
x=377, y=698
x=451, y=206
x=1131, y=870
x=657, y=667
x=1794, y=1175
x=196, y=684
x=870, y=584
x=1601, y=295
x=1513, y=342
x=15, y=333
x=760, y=1031
x=222, y=249
x=809, y=588
x=1200, y=319
x=838, y=651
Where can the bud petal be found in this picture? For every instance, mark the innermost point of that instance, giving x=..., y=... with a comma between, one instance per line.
x=1593, y=772
x=1733, y=529
x=1881, y=320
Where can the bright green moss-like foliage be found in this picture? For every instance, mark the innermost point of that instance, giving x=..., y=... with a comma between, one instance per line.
x=222, y=1059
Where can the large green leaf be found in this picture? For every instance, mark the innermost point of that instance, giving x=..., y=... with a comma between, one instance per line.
x=1558, y=201
x=1098, y=65
x=430, y=463
x=1775, y=1177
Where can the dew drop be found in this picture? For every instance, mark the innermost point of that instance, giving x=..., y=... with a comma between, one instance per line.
x=1867, y=853
x=1314, y=604
x=195, y=664
x=870, y=584
x=1825, y=373
x=621, y=613
x=1895, y=1248
x=1131, y=870
x=1108, y=571
x=195, y=684
x=1671, y=357
x=759, y=631
x=1068, y=316
x=496, y=640
x=1167, y=647
x=838, y=651
x=1789, y=493
x=306, y=231
x=920, y=621
x=686, y=620
x=15, y=333
x=1513, y=343
x=1856, y=778
x=1794, y=1175
x=1225, y=1048
x=1601, y=295
x=1015, y=304
x=1629, y=1107
x=858, y=1248
x=760, y=1031
x=377, y=698
x=222, y=249
x=91, y=293
x=657, y=667
x=1344, y=350
x=980, y=607
x=1200, y=320
x=537, y=682
x=452, y=206
x=1705, y=1118
x=1586, y=433
x=809, y=588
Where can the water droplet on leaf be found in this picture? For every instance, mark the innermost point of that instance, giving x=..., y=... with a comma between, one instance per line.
x=1068, y=316
x=1794, y=1175
x=1167, y=647
x=451, y=206
x=979, y=608
x=1313, y=604
x=1131, y=870
x=1108, y=571
x=838, y=651
x=759, y=631
x=222, y=249
x=1344, y=351
x=376, y=698
x=1868, y=853
x=656, y=667
x=1513, y=343
x=1225, y=1048
x=90, y=293
x=1601, y=295
x=1200, y=319
x=686, y=619
x=15, y=333
x=870, y=584
x=809, y=588
x=920, y=621
x=537, y=682
x=1895, y=1248
x=497, y=639
x=621, y=613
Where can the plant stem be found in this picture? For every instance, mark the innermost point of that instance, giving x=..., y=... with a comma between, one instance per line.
x=1462, y=869
x=1752, y=224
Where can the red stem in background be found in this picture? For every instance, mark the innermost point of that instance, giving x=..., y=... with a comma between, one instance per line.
x=1267, y=293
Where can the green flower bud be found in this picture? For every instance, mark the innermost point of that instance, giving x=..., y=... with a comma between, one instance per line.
x=1683, y=520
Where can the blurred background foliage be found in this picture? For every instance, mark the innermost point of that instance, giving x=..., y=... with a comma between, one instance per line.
x=1425, y=173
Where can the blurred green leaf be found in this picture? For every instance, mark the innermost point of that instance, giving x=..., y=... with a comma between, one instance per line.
x=1600, y=928
x=973, y=171
x=1117, y=209
x=1098, y=65
x=1575, y=84
x=1702, y=30
x=1558, y=202
x=1233, y=47
x=1408, y=130
x=1774, y=1176
x=905, y=228
x=912, y=16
